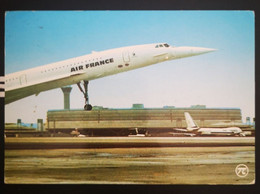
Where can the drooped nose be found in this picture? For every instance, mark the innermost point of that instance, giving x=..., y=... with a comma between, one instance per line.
x=200, y=50
x=180, y=52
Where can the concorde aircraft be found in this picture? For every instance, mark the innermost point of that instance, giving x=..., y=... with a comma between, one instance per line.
x=195, y=129
x=82, y=69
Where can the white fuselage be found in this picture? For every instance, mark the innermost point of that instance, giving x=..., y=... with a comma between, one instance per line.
x=220, y=131
x=92, y=66
x=229, y=131
x=193, y=127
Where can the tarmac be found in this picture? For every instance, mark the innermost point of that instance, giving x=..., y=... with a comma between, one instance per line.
x=123, y=142
x=148, y=165
x=129, y=160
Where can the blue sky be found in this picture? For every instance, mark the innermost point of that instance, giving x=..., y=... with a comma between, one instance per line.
x=220, y=79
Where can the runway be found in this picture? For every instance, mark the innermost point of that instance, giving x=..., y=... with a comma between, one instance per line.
x=129, y=160
x=157, y=165
x=124, y=142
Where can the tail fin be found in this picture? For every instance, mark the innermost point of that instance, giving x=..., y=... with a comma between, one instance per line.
x=191, y=125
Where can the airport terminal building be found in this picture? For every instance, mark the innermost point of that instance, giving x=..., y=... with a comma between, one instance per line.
x=148, y=119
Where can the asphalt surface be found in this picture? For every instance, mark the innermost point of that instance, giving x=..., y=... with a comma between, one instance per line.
x=123, y=142
x=143, y=165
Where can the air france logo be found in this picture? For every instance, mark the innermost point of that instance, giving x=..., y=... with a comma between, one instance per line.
x=242, y=170
x=94, y=64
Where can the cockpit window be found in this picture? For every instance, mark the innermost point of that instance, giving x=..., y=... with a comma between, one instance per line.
x=162, y=45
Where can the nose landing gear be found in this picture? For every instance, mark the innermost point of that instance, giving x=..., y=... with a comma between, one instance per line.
x=87, y=106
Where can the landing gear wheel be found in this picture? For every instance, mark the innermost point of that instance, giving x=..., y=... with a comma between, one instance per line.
x=88, y=107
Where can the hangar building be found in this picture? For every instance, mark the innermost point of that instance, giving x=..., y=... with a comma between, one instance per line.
x=149, y=119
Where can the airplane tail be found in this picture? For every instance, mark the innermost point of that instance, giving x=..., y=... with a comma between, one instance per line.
x=191, y=125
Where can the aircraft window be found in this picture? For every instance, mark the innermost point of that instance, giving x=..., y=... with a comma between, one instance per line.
x=157, y=46
x=161, y=45
x=166, y=45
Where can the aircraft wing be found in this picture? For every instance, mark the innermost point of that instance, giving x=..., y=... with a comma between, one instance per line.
x=76, y=73
x=32, y=88
x=183, y=134
x=182, y=130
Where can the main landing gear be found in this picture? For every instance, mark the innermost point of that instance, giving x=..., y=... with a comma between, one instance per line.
x=85, y=84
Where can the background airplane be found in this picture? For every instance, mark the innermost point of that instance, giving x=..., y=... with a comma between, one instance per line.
x=193, y=129
x=89, y=67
